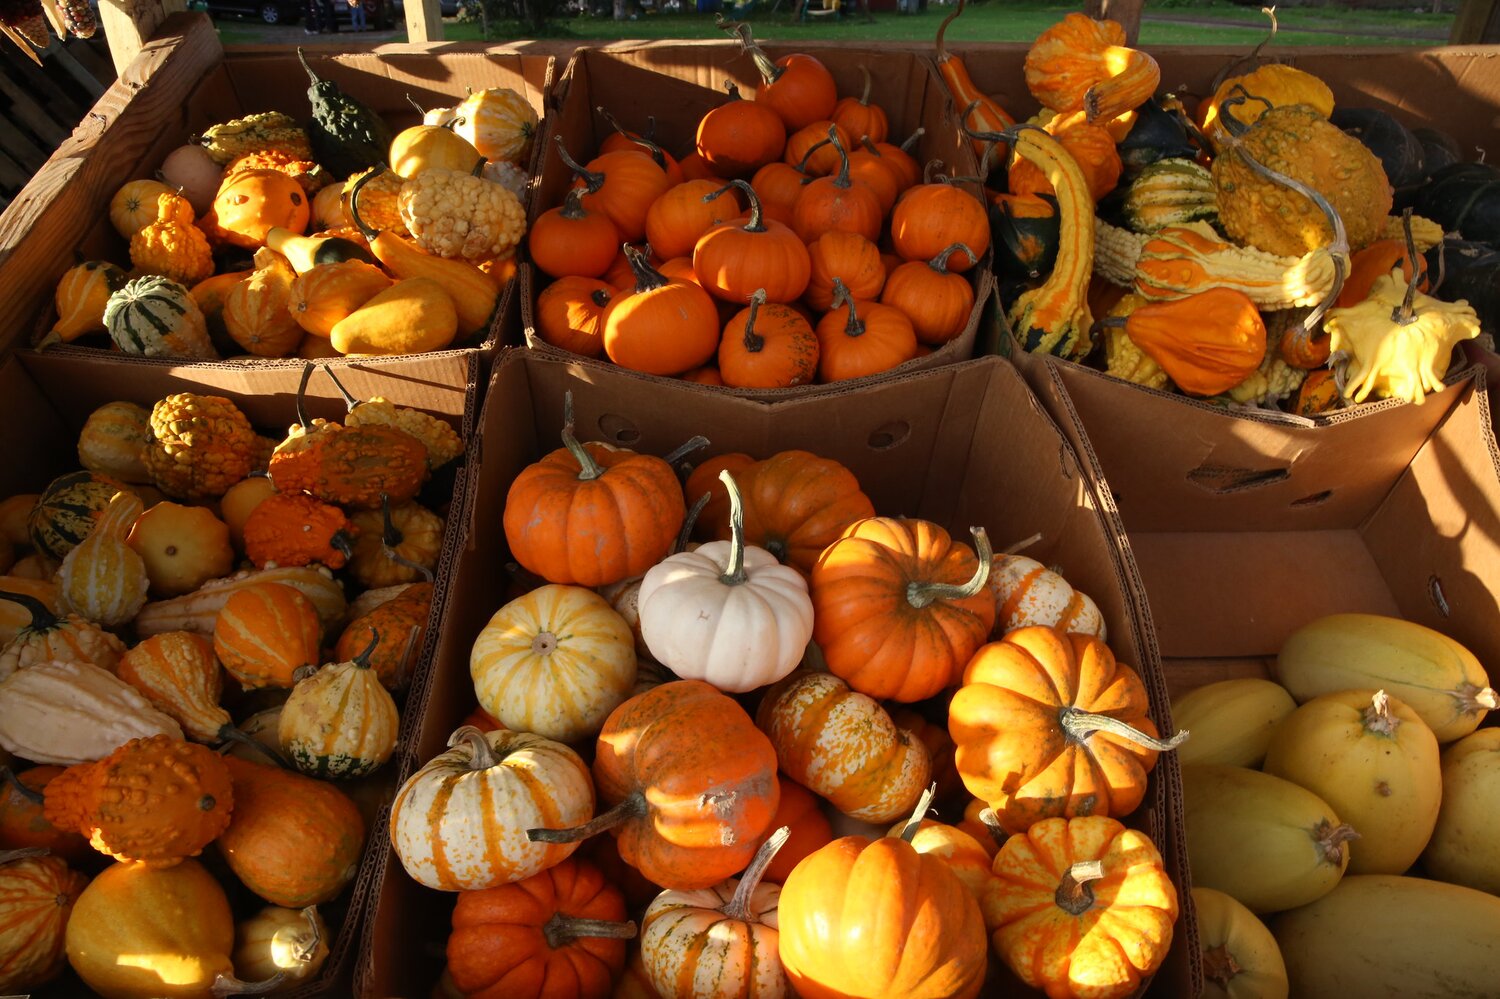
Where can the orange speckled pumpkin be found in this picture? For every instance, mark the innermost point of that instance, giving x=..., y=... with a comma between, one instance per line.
x=251, y=203
x=265, y=632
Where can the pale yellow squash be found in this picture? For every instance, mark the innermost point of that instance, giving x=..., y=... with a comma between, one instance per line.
x=1240, y=957
x=408, y=317
x=1465, y=846
x=1231, y=721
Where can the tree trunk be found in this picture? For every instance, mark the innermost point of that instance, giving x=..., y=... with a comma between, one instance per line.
x=1127, y=12
x=620, y=10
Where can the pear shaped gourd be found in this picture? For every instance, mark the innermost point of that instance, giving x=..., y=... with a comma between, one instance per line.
x=410, y=316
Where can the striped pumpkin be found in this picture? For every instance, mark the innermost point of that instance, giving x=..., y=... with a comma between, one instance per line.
x=178, y=674
x=726, y=935
x=113, y=441
x=67, y=511
x=104, y=579
x=14, y=617
x=459, y=823
x=1170, y=192
x=396, y=627
x=555, y=661
x=1028, y=593
x=155, y=316
x=340, y=722
x=36, y=899
x=199, y=611
x=265, y=633
x=81, y=297
x=55, y=638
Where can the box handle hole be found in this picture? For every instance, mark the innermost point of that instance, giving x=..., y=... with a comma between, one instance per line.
x=618, y=429
x=1315, y=499
x=1435, y=591
x=886, y=437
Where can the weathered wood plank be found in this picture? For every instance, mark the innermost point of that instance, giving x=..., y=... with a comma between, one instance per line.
x=42, y=122
x=424, y=21
x=67, y=195
x=129, y=24
x=1127, y=12
x=1478, y=21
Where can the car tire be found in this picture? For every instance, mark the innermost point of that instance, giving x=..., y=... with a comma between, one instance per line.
x=270, y=13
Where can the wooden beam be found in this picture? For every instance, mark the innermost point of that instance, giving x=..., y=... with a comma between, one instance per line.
x=1478, y=22
x=130, y=24
x=424, y=21
x=1127, y=12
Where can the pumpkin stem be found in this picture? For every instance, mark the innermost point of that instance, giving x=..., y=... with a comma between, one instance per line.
x=932, y=167
x=350, y=402
x=734, y=572
x=481, y=753
x=939, y=263
x=914, y=824
x=802, y=165
x=739, y=904
x=843, y=296
x=420, y=110
x=11, y=856
x=362, y=661
x=1220, y=967
x=309, y=944
x=632, y=806
x=1022, y=545
x=42, y=619
x=1074, y=896
x=310, y=74
x=366, y=230
x=942, y=50
x=1238, y=96
x=572, y=208
x=754, y=342
x=864, y=95
x=842, y=180
x=647, y=278
x=911, y=140
x=339, y=542
x=652, y=148
x=300, y=399
x=769, y=71
x=992, y=825
x=1472, y=699
x=592, y=181
x=732, y=90
x=695, y=443
x=1330, y=840
x=1079, y=725
x=9, y=775
x=228, y=985
x=562, y=929
x=588, y=468
x=921, y=595
x=1377, y=717
x=689, y=522
x=757, y=221
x=228, y=734
x=1405, y=315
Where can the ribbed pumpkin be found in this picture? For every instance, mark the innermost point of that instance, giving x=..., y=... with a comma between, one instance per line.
x=937, y=301
x=680, y=217
x=796, y=505
x=133, y=206
x=67, y=713
x=329, y=293
x=738, y=138
x=340, y=722
x=51, y=638
x=199, y=611
x=256, y=309
x=849, y=258
x=277, y=940
x=1028, y=593
x=265, y=632
x=81, y=297
x=23, y=822
x=103, y=579
x=798, y=811
x=555, y=662
x=154, y=800
x=395, y=545
x=735, y=258
x=459, y=823
x=155, y=316
x=395, y=626
x=178, y=674
x=659, y=325
x=857, y=339
x=623, y=185
x=279, y=815
x=499, y=122
x=67, y=510
x=37, y=894
x=570, y=314
x=113, y=440
x=843, y=746
x=931, y=217
x=1170, y=192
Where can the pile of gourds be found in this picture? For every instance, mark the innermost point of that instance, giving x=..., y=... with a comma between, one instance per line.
x=793, y=244
x=121, y=613
x=758, y=709
x=1245, y=254
x=1322, y=802
x=412, y=237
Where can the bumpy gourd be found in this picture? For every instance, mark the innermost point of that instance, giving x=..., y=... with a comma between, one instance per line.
x=104, y=579
x=1122, y=358
x=50, y=638
x=172, y=246
x=456, y=214
x=1080, y=64
x=296, y=529
x=200, y=446
x=310, y=176
x=346, y=136
x=1275, y=85
x=268, y=131
x=1183, y=260
x=178, y=674
x=395, y=626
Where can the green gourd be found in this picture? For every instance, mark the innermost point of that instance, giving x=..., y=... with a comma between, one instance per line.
x=347, y=136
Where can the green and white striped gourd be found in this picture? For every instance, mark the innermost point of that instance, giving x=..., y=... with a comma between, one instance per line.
x=339, y=722
x=1170, y=192
x=155, y=316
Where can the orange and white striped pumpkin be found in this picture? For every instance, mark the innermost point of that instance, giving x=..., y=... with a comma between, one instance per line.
x=842, y=745
x=36, y=899
x=14, y=617
x=178, y=674
x=51, y=637
x=265, y=632
x=199, y=611
x=340, y=722
x=459, y=823
x=555, y=661
x=721, y=940
x=103, y=579
x=1028, y=593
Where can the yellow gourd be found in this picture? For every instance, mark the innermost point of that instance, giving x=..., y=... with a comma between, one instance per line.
x=256, y=310
x=306, y=252
x=80, y=298
x=1232, y=721
x=410, y=316
x=329, y=293
x=103, y=579
x=423, y=147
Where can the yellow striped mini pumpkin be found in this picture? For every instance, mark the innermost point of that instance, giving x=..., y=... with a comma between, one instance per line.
x=54, y=636
x=340, y=722
x=265, y=633
x=178, y=674
x=1028, y=593
x=460, y=822
x=113, y=441
x=104, y=579
x=555, y=661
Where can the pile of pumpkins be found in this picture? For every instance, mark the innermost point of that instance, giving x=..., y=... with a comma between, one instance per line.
x=795, y=243
x=1246, y=253
x=267, y=238
x=767, y=724
x=132, y=648
x=1328, y=802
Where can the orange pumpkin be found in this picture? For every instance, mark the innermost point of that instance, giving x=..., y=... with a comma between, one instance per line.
x=798, y=87
x=265, y=632
x=900, y=607
x=768, y=346
x=326, y=295
x=661, y=326
x=738, y=138
x=1049, y=725
x=523, y=939
x=251, y=203
x=621, y=184
x=810, y=148
x=847, y=257
x=797, y=504
x=680, y=217
x=857, y=339
x=570, y=314
x=23, y=823
x=1081, y=908
x=668, y=762
x=572, y=240
x=713, y=518
x=734, y=259
x=778, y=186
x=929, y=218
x=810, y=829
x=965, y=856
x=937, y=301
x=837, y=203
x=861, y=119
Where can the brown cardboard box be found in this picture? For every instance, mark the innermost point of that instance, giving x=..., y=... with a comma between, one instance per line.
x=962, y=444
x=182, y=83
x=46, y=407
x=677, y=83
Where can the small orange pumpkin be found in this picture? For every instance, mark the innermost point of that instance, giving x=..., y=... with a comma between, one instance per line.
x=859, y=118
x=251, y=203
x=937, y=301
x=570, y=314
x=847, y=257
x=768, y=346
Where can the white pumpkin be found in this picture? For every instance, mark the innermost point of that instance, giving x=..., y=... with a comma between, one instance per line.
x=555, y=661
x=729, y=613
x=1028, y=593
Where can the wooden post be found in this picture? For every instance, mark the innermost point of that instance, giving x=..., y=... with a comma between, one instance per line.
x=129, y=24
x=1127, y=12
x=424, y=21
x=1478, y=22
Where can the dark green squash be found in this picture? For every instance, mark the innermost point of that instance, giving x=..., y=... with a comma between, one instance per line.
x=1465, y=199
x=1157, y=134
x=346, y=136
x=1025, y=231
x=1471, y=271
x=1439, y=149
x=1392, y=143
x=67, y=511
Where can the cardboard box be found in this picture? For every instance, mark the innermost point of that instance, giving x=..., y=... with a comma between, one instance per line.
x=47, y=405
x=677, y=83
x=963, y=444
x=183, y=82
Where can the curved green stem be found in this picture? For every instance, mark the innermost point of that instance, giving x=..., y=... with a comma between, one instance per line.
x=921, y=595
x=757, y=222
x=588, y=468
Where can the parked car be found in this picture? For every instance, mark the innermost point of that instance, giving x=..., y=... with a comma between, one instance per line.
x=378, y=13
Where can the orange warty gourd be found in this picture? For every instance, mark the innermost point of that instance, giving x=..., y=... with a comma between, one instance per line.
x=798, y=87
x=524, y=940
x=1050, y=725
x=810, y=148
x=900, y=607
x=592, y=515
x=859, y=118
x=1081, y=908
x=848, y=257
x=929, y=218
x=1206, y=343
x=265, y=632
x=713, y=519
x=24, y=825
x=1080, y=64
x=571, y=240
x=768, y=346
x=570, y=314
x=666, y=762
x=661, y=327
x=797, y=504
x=738, y=138
x=810, y=829
x=856, y=339
x=621, y=184
x=837, y=202
x=734, y=259
x=680, y=217
x=936, y=300
x=37, y=894
x=296, y=529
